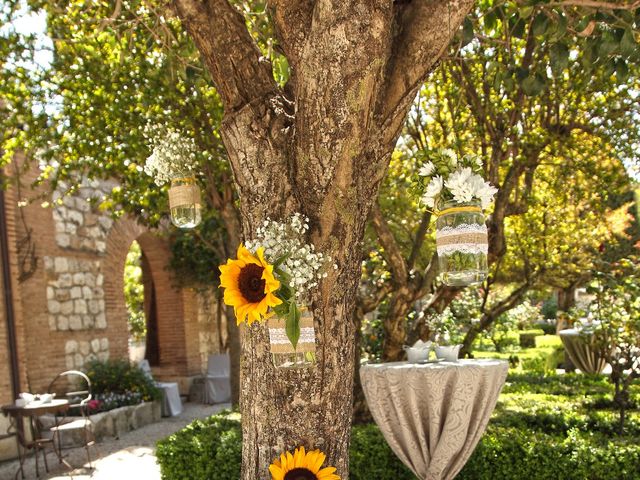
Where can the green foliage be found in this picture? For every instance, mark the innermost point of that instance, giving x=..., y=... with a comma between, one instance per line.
x=134, y=293
x=617, y=331
x=547, y=355
x=549, y=308
x=370, y=456
x=108, y=81
x=525, y=315
x=208, y=449
x=543, y=428
x=528, y=337
x=457, y=318
x=543, y=421
x=515, y=453
x=196, y=254
x=119, y=376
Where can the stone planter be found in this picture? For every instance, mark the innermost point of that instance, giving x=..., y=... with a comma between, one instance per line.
x=116, y=422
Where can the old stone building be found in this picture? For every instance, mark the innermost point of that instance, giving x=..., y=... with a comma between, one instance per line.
x=62, y=300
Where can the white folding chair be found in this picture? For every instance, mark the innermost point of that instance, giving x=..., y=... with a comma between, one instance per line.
x=171, y=401
x=217, y=385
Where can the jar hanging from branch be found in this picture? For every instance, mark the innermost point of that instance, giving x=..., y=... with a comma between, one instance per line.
x=462, y=243
x=184, y=202
x=455, y=189
x=174, y=159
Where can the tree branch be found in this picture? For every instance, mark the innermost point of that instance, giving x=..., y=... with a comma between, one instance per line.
x=292, y=20
x=371, y=302
x=392, y=252
x=419, y=239
x=420, y=42
x=593, y=4
x=231, y=55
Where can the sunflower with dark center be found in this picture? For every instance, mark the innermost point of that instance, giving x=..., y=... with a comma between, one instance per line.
x=249, y=285
x=301, y=466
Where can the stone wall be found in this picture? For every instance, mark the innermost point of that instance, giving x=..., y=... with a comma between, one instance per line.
x=78, y=353
x=78, y=224
x=75, y=297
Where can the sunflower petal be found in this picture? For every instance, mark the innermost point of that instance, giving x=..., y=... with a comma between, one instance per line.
x=241, y=312
x=245, y=255
x=327, y=473
x=318, y=460
x=276, y=472
x=290, y=462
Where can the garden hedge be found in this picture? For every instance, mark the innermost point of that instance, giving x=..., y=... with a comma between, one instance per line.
x=211, y=450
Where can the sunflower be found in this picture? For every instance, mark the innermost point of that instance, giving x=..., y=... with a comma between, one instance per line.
x=301, y=466
x=249, y=285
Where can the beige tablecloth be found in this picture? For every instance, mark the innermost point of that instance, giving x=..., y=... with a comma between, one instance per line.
x=579, y=347
x=433, y=415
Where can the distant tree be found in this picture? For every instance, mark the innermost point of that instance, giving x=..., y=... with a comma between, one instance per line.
x=134, y=293
x=616, y=311
x=536, y=93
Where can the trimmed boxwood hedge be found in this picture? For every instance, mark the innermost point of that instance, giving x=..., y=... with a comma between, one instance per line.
x=211, y=450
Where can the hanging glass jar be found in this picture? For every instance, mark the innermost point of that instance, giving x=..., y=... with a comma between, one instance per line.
x=462, y=243
x=184, y=202
x=283, y=354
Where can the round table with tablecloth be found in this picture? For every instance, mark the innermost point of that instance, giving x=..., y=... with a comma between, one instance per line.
x=433, y=414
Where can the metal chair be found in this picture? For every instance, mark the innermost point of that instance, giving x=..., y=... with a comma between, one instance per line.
x=75, y=386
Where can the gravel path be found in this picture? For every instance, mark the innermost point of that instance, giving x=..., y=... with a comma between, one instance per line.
x=130, y=457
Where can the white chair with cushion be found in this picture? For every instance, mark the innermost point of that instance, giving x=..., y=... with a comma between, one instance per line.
x=171, y=402
x=217, y=385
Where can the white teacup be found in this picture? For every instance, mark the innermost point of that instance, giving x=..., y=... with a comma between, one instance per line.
x=419, y=352
x=448, y=352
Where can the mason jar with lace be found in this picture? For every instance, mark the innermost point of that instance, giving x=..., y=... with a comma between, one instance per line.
x=184, y=202
x=283, y=353
x=462, y=243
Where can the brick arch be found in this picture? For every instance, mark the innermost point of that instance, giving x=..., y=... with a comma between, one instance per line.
x=168, y=305
x=176, y=342
x=119, y=240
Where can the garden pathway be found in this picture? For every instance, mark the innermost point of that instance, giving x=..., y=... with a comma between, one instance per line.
x=132, y=456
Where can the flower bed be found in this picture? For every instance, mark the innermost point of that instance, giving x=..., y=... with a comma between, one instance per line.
x=117, y=383
x=103, y=402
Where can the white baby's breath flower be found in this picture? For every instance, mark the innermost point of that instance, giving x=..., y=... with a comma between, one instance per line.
x=286, y=240
x=173, y=154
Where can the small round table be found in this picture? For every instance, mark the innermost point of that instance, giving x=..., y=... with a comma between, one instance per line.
x=579, y=346
x=32, y=438
x=433, y=414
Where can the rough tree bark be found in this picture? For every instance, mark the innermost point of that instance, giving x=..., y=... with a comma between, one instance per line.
x=321, y=147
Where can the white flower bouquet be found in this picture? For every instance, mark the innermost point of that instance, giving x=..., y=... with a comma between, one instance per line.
x=445, y=177
x=173, y=154
x=296, y=264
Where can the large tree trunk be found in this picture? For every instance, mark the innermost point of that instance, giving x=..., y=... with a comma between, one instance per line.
x=321, y=147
